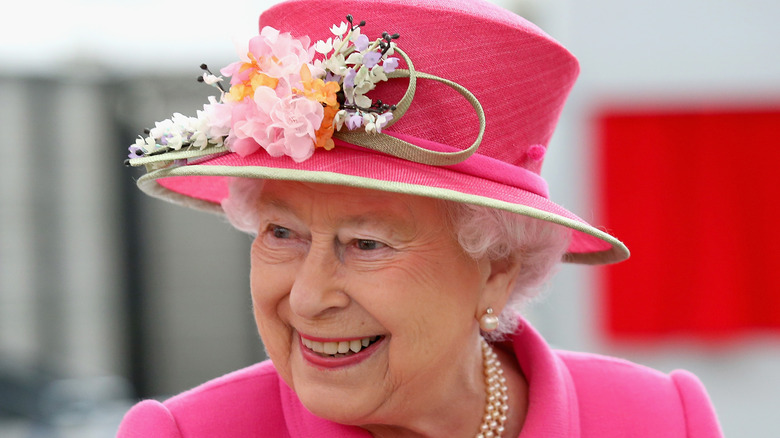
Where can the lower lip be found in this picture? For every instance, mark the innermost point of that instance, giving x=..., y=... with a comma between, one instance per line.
x=338, y=362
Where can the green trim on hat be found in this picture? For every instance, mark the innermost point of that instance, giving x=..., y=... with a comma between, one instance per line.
x=149, y=185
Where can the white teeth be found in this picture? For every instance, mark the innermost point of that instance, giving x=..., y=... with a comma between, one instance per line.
x=331, y=347
x=341, y=347
x=354, y=345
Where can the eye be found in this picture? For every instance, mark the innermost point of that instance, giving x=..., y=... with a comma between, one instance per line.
x=368, y=245
x=280, y=232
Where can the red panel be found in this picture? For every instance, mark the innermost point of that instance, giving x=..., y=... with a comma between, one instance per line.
x=696, y=197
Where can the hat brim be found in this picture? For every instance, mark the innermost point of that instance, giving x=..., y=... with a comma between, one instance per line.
x=204, y=185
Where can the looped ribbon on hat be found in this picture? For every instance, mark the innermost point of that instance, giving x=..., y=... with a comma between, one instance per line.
x=390, y=145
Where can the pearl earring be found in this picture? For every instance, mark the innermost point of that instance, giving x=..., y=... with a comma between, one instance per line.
x=488, y=322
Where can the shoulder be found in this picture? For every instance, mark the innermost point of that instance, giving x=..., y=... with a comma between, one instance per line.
x=243, y=403
x=633, y=396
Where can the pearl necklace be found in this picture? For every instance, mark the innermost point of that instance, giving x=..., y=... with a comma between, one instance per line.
x=497, y=399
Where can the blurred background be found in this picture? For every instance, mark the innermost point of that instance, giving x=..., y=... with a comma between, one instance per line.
x=106, y=296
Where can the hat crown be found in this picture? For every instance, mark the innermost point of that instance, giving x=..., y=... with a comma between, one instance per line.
x=519, y=74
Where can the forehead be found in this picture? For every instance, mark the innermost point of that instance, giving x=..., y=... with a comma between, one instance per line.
x=304, y=198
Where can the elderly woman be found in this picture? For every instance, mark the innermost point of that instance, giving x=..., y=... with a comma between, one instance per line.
x=392, y=181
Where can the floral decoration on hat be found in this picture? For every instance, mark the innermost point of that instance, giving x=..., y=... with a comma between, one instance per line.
x=283, y=99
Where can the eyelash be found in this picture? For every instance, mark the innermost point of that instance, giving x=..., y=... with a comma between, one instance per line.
x=278, y=232
x=368, y=244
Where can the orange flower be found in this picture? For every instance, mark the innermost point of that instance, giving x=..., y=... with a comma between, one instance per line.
x=325, y=133
x=317, y=89
x=254, y=79
x=263, y=80
x=325, y=93
x=237, y=93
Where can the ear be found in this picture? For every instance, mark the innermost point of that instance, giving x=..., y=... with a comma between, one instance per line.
x=500, y=276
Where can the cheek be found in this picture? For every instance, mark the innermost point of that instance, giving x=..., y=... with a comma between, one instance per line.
x=270, y=282
x=270, y=285
x=421, y=298
x=452, y=281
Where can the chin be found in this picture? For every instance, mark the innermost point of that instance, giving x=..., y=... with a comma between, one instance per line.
x=346, y=390
x=342, y=396
x=353, y=408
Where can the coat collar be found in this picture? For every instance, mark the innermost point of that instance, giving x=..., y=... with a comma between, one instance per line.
x=552, y=401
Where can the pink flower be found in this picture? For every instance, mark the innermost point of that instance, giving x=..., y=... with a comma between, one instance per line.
x=282, y=126
x=249, y=127
x=295, y=119
x=275, y=54
x=242, y=146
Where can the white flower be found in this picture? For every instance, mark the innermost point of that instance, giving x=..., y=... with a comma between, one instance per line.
x=211, y=79
x=349, y=94
x=182, y=122
x=355, y=58
x=369, y=121
x=376, y=122
x=173, y=133
x=361, y=76
x=174, y=140
x=336, y=64
x=364, y=87
x=317, y=69
x=218, y=118
x=146, y=144
x=342, y=47
x=382, y=119
x=362, y=101
x=324, y=46
x=339, y=30
x=340, y=118
x=199, y=138
x=378, y=74
x=354, y=34
x=161, y=128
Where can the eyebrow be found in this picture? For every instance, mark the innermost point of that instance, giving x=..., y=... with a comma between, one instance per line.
x=378, y=216
x=275, y=203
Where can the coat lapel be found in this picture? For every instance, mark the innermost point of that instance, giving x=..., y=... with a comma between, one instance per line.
x=552, y=400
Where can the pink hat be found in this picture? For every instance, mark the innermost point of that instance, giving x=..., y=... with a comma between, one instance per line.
x=458, y=102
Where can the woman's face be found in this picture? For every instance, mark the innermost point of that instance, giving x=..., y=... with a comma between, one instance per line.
x=375, y=274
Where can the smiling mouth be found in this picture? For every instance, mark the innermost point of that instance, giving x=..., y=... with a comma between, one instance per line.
x=337, y=349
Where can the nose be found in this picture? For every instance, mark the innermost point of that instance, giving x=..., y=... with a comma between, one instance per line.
x=317, y=291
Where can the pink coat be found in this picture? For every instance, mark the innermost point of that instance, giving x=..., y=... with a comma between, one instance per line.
x=570, y=395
